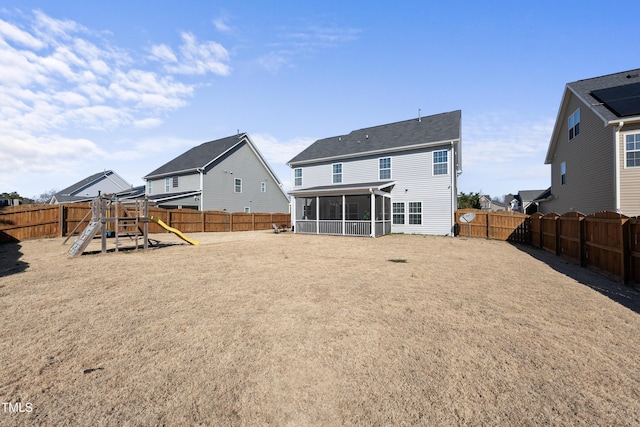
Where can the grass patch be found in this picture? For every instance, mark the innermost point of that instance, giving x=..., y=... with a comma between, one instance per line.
x=398, y=260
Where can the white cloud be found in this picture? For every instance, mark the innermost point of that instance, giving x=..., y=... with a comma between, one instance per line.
x=304, y=41
x=59, y=78
x=504, y=152
x=163, y=52
x=278, y=153
x=23, y=38
x=221, y=25
x=195, y=58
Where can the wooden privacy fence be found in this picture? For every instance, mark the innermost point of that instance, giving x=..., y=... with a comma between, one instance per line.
x=510, y=226
x=604, y=241
x=38, y=221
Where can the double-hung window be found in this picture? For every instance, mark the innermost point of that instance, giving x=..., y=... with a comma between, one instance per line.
x=440, y=162
x=384, y=168
x=263, y=187
x=237, y=185
x=150, y=185
x=337, y=173
x=415, y=213
x=632, y=150
x=398, y=213
x=574, y=124
x=563, y=173
x=175, y=182
x=297, y=177
x=167, y=182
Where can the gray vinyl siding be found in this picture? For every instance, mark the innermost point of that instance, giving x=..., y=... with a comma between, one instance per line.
x=590, y=185
x=412, y=171
x=190, y=182
x=629, y=177
x=242, y=163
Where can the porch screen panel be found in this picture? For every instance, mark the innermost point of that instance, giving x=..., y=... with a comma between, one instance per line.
x=331, y=208
x=306, y=208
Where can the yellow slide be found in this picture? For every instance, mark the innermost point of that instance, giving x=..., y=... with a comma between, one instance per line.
x=174, y=231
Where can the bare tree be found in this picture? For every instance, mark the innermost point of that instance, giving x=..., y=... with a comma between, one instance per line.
x=45, y=197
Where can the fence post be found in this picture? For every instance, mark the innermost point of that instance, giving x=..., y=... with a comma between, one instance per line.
x=61, y=219
x=202, y=217
x=230, y=222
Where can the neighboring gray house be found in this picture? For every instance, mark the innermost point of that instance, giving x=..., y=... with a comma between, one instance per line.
x=399, y=177
x=594, y=150
x=227, y=174
x=107, y=182
x=528, y=200
x=486, y=204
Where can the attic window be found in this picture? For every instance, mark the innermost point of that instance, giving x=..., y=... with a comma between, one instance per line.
x=574, y=124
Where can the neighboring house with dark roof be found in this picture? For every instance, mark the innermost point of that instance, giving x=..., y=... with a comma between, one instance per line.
x=227, y=174
x=528, y=200
x=594, y=150
x=106, y=182
x=399, y=177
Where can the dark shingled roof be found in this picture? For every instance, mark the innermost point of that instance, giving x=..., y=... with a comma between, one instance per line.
x=199, y=156
x=83, y=183
x=584, y=89
x=389, y=137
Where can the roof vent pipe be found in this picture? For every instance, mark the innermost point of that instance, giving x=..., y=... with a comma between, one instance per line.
x=419, y=116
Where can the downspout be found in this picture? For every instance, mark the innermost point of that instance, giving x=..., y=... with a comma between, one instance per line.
x=201, y=171
x=616, y=168
x=453, y=188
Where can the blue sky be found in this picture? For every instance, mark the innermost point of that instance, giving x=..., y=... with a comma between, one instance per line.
x=87, y=86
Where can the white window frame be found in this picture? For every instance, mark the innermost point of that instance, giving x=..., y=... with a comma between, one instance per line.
x=297, y=180
x=437, y=164
x=336, y=177
x=237, y=182
x=413, y=212
x=174, y=182
x=635, y=151
x=398, y=215
x=263, y=187
x=385, y=169
x=563, y=173
x=167, y=184
x=150, y=187
x=574, y=124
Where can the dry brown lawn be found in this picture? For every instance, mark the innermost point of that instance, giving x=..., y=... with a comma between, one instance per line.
x=256, y=328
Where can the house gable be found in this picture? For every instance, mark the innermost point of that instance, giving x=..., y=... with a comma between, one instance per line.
x=199, y=178
x=586, y=161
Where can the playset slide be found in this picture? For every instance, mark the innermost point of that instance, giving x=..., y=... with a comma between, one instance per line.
x=174, y=231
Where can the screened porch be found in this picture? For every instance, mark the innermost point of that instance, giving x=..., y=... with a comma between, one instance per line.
x=345, y=214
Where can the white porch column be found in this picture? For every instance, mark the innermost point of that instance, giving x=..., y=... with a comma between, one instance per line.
x=373, y=213
x=317, y=214
x=292, y=212
x=344, y=210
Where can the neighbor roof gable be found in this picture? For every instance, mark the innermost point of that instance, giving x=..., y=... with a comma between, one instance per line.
x=198, y=157
x=90, y=180
x=397, y=136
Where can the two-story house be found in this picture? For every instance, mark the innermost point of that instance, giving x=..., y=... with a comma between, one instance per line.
x=594, y=150
x=227, y=174
x=399, y=177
